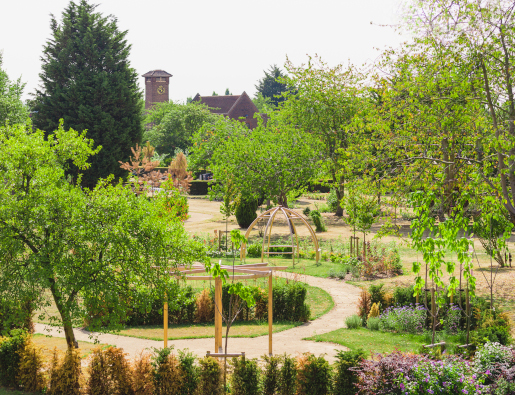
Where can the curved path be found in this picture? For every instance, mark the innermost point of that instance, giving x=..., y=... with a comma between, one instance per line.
x=345, y=297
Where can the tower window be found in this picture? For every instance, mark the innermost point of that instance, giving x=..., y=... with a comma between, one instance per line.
x=161, y=79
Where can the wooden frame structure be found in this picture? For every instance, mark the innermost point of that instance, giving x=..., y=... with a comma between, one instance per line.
x=289, y=215
x=250, y=271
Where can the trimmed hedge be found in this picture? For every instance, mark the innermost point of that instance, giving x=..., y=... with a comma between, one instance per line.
x=199, y=187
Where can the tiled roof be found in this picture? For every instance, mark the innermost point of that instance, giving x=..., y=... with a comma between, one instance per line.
x=222, y=104
x=157, y=73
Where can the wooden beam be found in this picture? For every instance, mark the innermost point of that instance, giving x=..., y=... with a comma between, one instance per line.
x=235, y=277
x=218, y=314
x=270, y=313
x=165, y=322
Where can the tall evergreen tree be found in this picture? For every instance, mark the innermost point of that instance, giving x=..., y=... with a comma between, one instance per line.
x=87, y=81
x=270, y=87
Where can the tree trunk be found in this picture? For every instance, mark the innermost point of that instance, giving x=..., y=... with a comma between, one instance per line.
x=283, y=200
x=65, y=318
x=340, y=193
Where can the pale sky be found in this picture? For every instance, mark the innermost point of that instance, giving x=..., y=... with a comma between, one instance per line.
x=212, y=45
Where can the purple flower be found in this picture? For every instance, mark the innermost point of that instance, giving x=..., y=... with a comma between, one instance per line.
x=487, y=372
x=430, y=391
x=464, y=391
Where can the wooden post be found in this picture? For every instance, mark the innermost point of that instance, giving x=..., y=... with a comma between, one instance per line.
x=165, y=321
x=351, y=243
x=433, y=306
x=218, y=314
x=270, y=313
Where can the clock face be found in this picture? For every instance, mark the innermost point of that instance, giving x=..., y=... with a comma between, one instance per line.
x=160, y=90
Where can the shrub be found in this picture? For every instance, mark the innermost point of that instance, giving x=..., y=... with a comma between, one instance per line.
x=353, y=322
x=174, y=203
x=364, y=304
x=344, y=379
x=143, y=375
x=306, y=211
x=10, y=356
x=374, y=311
x=408, y=319
x=373, y=323
x=451, y=322
x=246, y=212
x=377, y=294
x=288, y=376
x=380, y=376
x=109, y=373
x=499, y=334
x=65, y=374
x=168, y=375
x=261, y=306
x=332, y=200
x=205, y=311
x=30, y=372
x=245, y=378
x=504, y=387
x=271, y=374
x=313, y=375
x=490, y=357
x=190, y=371
x=254, y=250
x=210, y=378
x=317, y=219
x=290, y=302
x=16, y=314
x=446, y=377
x=337, y=274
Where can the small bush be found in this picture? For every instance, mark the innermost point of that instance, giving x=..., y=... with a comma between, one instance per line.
x=498, y=334
x=271, y=374
x=168, y=375
x=10, y=356
x=109, y=373
x=290, y=302
x=318, y=221
x=210, y=379
x=313, y=375
x=377, y=294
x=373, y=323
x=254, y=250
x=245, y=378
x=337, y=274
x=490, y=357
x=306, y=211
x=261, y=306
x=374, y=311
x=403, y=296
x=353, y=322
x=246, y=212
x=143, y=375
x=30, y=372
x=344, y=379
x=66, y=374
x=364, y=304
x=205, y=311
x=190, y=371
x=332, y=201
x=288, y=376
x=408, y=319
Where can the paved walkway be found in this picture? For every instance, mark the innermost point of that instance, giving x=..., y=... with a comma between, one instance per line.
x=345, y=298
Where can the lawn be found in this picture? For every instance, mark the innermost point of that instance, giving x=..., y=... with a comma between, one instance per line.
x=48, y=343
x=6, y=391
x=318, y=300
x=377, y=341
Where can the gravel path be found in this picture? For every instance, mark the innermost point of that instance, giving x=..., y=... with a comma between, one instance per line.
x=345, y=298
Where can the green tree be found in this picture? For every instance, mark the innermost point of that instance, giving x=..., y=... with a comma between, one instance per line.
x=87, y=81
x=332, y=104
x=271, y=160
x=80, y=247
x=271, y=87
x=12, y=109
x=173, y=125
x=263, y=104
x=227, y=92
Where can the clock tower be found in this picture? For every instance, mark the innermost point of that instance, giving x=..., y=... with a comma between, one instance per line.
x=156, y=87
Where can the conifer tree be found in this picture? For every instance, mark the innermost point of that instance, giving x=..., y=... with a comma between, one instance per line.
x=87, y=81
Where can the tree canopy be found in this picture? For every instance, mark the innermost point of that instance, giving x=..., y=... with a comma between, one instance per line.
x=271, y=87
x=174, y=125
x=87, y=81
x=81, y=247
x=12, y=110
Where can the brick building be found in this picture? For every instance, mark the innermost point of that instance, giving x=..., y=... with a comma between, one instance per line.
x=156, y=87
x=232, y=106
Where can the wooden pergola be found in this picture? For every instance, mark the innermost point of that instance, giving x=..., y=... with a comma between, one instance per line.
x=270, y=216
x=248, y=272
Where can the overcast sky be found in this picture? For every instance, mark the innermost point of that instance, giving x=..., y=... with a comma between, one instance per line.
x=212, y=45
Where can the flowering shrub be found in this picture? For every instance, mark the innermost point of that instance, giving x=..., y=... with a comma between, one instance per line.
x=491, y=359
x=410, y=319
x=451, y=376
x=381, y=375
x=451, y=321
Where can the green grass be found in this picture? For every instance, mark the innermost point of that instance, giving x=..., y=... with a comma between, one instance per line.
x=247, y=329
x=376, y=341
x=7, y=391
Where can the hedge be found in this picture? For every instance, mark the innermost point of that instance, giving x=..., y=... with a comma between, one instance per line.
x=199, y=187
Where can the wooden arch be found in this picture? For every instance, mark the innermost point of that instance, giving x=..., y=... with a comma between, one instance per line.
x=289, y=215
